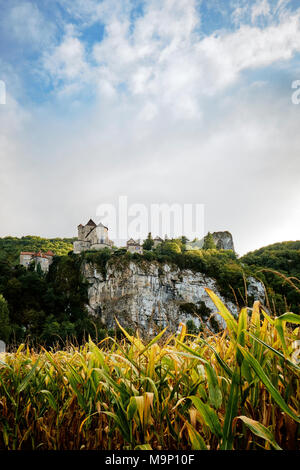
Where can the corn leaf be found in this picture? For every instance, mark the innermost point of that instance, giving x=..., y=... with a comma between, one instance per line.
x=231, y=410
x=268, y=384
x=196, y=439
x=26, y=380
x=143, y=447
x=280, y=325
x=224, y=312
x=208, y=414
x=259, y=430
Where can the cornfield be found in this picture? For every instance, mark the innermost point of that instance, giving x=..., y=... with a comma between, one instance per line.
x=238, y=389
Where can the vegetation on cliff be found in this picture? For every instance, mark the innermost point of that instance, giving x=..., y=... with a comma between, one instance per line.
x=51, y=308
x=10, y=247
x=221, y=265
x=46, y=308
x=238, y=390
x=278, y=266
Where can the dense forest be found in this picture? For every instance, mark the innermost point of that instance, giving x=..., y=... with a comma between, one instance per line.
x=49, y=308
x=278, y=266
x=10, y=247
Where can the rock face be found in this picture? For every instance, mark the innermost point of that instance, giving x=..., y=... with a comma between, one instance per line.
x=223, y=240
x=256, y=289
x=151, y=296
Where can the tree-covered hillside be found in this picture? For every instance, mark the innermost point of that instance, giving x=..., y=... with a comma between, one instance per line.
x=50, y=307
x=10, y=247
x=44, y=308
x=283, y=287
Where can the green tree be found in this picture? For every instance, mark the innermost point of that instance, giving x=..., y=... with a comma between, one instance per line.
x=51, y=330
x=5, y=327
x=191, y=328
x=184, y=241
x=149, y=242
x=39, y=269
x=168, y=248
x=209, y=243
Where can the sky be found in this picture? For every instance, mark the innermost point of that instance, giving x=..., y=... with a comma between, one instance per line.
x=162, y=101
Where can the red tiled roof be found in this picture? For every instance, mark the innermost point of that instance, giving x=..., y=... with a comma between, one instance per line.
x=39, y=254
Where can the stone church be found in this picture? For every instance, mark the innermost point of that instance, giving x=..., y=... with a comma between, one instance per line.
x=92, y=237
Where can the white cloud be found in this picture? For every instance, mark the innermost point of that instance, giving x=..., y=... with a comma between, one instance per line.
x=261, y=8
x=14, y=174
x=162, y=127
x=162, y=58
x=67, y=60
x=234, y=161
x=249, y=47
x=27, y=25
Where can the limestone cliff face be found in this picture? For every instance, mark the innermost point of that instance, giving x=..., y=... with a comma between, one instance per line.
x=223, y=240
x=151, y=296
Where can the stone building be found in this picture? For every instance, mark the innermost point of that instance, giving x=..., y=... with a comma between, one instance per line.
x=39, y=258
x=134, y=246
x=92, y=237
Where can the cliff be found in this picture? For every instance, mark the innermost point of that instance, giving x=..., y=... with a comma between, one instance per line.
x=150, y=296
x=223, y=240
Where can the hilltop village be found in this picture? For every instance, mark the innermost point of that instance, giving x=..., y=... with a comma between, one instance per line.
x=95, y=237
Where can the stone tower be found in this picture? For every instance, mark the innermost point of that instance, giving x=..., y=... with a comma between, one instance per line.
x=91, y=237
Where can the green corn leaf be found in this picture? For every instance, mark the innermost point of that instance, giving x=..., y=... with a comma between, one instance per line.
x=280, y=324
x=51, y=399
x=196, y=439
x=153, y=341
x=208, y=414
x=131, y=408
x=246, y=371
x=215, y=394
x=268, y=384
x=289, y=317
x=143, y=447
x=231, y=410
x=214, y=391
x=224, y=312
x=192, y=352
x=153, y=386
x=275, y=351
x=259, y=430
x=123, y=428
x=242, y=326
x=219, y=359
x=26, y=380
